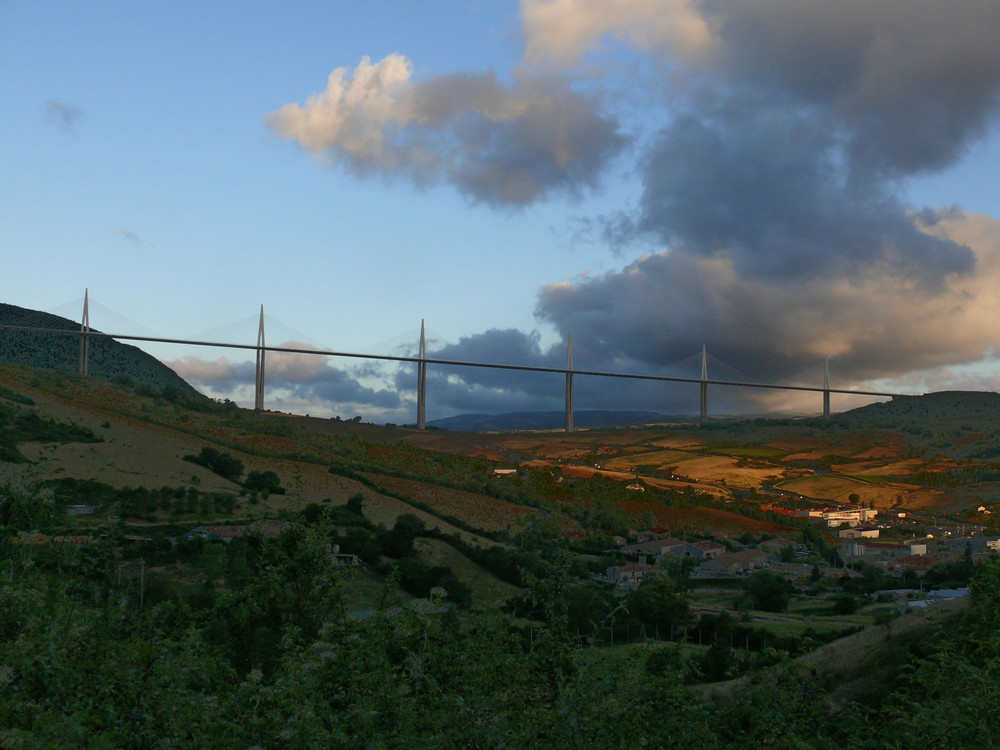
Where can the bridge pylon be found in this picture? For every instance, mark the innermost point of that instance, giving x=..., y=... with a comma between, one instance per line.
x=85, y=335
x=422, y=379
x=258, y=402
x=826, y=388
x=569, y=384
x=704, y=385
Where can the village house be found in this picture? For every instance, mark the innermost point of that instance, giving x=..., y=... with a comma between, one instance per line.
x=859, y=532
x=852, y=549
x=654, y=547
x=628, y=577
x=343, y=558
x=661, y=547
x=850, y=516
x=734, y=563
x=710, y=550
x=268, y=528
x=775, y=546
x=794, y=571
x=649, y=534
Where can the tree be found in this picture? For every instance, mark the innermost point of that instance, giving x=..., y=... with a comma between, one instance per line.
x=266, y=482
x=399, y=542
x=769, y=591
x=657, y=603
x=355, y=502
x=845, y=604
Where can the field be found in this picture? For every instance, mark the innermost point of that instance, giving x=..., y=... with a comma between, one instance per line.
x=840, y=488
x=483, y=512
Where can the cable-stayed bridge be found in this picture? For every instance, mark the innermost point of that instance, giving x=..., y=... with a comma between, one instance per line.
x=222, y=338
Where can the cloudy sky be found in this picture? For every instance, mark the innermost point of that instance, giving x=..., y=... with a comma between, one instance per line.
x=779, y=180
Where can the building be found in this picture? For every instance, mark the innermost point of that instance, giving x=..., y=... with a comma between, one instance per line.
x=628, y=577
x=734, y=563
x=859, y=532
x=268, y=528
x=710, y=550
x=851, y=549
x=850, y=516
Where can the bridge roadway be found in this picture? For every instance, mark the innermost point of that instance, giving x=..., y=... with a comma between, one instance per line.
x=422, y=361
x=456, y=363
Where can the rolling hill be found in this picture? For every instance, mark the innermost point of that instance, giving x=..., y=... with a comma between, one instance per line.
x=939, y=405
x=109, y=359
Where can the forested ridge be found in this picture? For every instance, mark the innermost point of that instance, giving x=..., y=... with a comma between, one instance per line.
x=109, y=359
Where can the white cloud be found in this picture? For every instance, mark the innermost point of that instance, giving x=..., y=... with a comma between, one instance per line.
x=354, y=111
x=562, y=31
x=503, y=144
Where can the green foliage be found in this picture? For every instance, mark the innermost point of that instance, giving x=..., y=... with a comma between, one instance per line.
x=274, y=658
x=21, y=426
x=265, y=482
x=845, y=604
x=659, y=605
x=17, y=398
x=769, y=591
x=399, y=541
x=421, y=579
x=109, y=359
x=223, y=464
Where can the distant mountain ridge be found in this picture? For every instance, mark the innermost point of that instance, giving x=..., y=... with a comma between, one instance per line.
x=109, y=359
x=939, y=405
x=551, y=420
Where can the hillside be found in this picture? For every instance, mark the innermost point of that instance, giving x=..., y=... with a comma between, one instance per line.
x=940, y=405
x=109, y=359
x=268, y=572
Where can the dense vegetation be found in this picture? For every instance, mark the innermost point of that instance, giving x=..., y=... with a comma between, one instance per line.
x=22, y=426
x=109, y=359
x=156, y=633
x=276, y=657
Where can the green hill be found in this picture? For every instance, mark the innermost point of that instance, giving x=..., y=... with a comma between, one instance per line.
x=940, y=405
x=109, y=359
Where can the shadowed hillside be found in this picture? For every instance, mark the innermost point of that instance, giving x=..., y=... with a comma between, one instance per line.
x=941, y=405
x=109, y=359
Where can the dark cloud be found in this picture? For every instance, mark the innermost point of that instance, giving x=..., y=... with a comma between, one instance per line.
x=454, y=389
x=912, y=83
x=775, y=194
x=763, y=185
x=62, y=114
x=301, y=377
x=879, y=323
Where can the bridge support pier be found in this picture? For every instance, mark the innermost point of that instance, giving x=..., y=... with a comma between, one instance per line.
x=569, y=384
x=826, y=388
x=422, y=380
x=704, y=385
x=258, y=401
x=85, y=335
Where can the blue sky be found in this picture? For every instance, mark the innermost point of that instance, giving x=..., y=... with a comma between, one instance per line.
x=778, y=179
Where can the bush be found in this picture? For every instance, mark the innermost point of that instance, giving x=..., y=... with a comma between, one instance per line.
x=845, y=604
x=222, y=464
x=266, y=482
x=769, y=591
